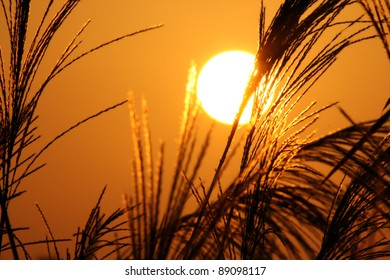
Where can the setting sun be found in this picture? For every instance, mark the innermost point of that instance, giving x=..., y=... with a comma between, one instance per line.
x=221, y=85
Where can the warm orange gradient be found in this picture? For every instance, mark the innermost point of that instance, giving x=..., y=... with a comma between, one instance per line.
x=154, y=65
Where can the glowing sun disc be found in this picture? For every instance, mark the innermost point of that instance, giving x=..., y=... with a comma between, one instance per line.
x=221, y=85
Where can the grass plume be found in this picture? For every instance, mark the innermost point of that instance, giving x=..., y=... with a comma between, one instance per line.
x=296, y=195
x=281, y=205
x=18, y=100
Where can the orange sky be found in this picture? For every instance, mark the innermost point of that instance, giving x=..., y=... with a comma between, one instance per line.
x=154, y=65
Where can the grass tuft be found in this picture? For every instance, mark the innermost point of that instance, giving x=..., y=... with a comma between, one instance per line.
x=296, y=195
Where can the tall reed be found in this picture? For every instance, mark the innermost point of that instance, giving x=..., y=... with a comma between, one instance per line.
x=20, y=96
x=281, y=205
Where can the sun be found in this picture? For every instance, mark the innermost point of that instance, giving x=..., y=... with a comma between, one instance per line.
x=221, y=85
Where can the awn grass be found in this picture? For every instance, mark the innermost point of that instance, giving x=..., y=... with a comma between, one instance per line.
x=18, y=102
x=280, y=205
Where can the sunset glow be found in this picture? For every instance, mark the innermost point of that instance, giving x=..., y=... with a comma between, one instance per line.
x=221, y=85
x=194, y=130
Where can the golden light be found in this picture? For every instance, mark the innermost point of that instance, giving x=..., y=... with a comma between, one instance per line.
x=221, y=85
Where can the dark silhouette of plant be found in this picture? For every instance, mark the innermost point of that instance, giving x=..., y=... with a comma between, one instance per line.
x=379, y=13
x=19, y=100
x=284, y=202
x=294, y=196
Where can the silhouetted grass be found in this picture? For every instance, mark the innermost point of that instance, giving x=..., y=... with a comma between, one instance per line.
x=18, y=102
x=281, y=204
x=294, y=196
x=379, y=13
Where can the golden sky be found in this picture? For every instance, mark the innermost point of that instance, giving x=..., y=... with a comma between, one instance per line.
x=154, y=65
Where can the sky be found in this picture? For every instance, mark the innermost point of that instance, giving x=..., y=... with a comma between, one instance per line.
x=154, y=66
